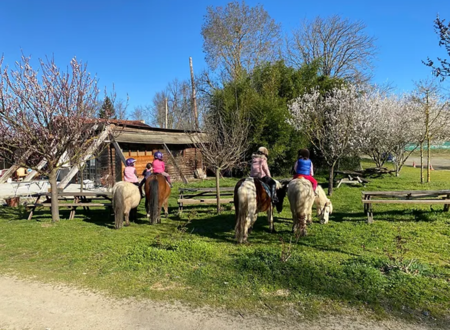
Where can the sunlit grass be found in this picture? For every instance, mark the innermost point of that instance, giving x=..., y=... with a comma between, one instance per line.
x=399, y=265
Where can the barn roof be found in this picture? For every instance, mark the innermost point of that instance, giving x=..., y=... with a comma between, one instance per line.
x=135, y=131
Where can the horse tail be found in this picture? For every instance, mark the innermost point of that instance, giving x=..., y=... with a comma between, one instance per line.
x=300, y=200
x=118, y=205
x=153, y=201
x=241, y=215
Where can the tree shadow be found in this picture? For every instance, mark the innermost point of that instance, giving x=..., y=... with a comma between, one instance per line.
x=14, y=213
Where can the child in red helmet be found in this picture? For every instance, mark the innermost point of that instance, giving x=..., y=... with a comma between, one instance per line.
x=159, y=167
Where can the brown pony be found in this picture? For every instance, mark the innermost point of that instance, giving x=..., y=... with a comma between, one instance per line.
x=250, y=198
x=157, y=192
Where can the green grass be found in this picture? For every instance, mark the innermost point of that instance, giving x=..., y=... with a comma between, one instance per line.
x=398, y=266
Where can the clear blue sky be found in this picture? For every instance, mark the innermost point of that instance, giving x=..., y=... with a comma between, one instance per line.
x=140, y=46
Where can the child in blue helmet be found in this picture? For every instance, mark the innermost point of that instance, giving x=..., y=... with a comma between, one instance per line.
x=146, y=173
x=159, y=167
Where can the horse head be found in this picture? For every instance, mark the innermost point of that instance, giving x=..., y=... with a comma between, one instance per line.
x=324, y=205
x=281, y=193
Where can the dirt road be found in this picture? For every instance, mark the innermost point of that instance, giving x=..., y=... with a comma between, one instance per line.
x=437, y=162
x=26, y=304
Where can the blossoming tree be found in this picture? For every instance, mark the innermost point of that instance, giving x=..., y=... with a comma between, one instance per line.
x=47, y=114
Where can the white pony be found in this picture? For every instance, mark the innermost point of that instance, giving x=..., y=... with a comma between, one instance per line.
x=125, y=200
x=301, y=198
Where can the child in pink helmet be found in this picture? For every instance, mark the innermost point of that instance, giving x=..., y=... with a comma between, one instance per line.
x=159, y=167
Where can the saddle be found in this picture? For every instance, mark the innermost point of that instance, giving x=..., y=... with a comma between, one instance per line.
x=266, y=187
x=165, y=177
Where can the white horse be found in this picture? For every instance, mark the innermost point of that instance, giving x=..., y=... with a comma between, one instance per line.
x=125, y=200
x=301, y=198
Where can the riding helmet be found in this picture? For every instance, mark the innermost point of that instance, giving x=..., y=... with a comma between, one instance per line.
x=130, y=161
x=158, y=155
x=264, y=151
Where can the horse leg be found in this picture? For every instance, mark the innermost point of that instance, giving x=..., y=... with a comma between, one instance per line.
x=270, y=219
x=133, y=214
x=294, y=218
x=166, y=208
x=126, y=214
x=147, y=206
x=302, y=224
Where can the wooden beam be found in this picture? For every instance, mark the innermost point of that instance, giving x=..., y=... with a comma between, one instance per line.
x=175, y=163
x=9, y=173
x=33, y=173
x=406, y=201
x=88, y=154
x=119, y=151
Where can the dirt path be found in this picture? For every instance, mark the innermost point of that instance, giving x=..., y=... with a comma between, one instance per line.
x=32, y=305
x=437, y=162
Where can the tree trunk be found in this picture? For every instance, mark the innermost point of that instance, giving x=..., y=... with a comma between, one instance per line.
x=194, y=97
x=421, y=162
x=428, y=160
x=218, y=189
x=331, y=179
x=54, y=195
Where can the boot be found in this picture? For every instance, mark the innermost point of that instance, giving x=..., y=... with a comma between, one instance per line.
x=273, y=189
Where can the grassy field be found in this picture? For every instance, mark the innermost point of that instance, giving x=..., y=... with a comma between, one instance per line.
x=398, y=266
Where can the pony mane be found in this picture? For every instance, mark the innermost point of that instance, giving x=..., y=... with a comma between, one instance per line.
x=323, y=199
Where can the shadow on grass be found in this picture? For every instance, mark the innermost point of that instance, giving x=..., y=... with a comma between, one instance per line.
x=390, y=216
x=14, y=213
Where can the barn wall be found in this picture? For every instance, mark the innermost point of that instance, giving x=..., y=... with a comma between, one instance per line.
x=134, y=143
x=187, y=159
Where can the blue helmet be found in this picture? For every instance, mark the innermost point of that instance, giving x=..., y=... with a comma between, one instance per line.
x=158, y=155
x=130, y=161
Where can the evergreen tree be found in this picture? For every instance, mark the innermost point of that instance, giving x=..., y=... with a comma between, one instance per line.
x=263, y=98
x=107, y=110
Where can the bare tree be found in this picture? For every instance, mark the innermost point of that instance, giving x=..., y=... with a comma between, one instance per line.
x=120, y=107
x=47, y=114
x=139, y=113
x=225, y=145
x=443, y=68
x=342, y=47
x=178, y=95
x=237, y=37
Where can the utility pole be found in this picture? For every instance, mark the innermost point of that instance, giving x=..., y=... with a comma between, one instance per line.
x=167, y=111
x=194, y=97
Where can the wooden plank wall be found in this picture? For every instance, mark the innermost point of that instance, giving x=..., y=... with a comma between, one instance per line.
x=187, y=159
x=142, y=158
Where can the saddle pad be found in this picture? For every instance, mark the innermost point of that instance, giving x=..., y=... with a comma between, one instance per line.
x=266, y=188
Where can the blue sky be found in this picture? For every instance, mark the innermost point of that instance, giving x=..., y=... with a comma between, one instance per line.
x=140, y=46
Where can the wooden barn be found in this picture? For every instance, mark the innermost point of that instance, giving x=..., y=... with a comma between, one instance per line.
x=123, y=139
x=134, y=139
